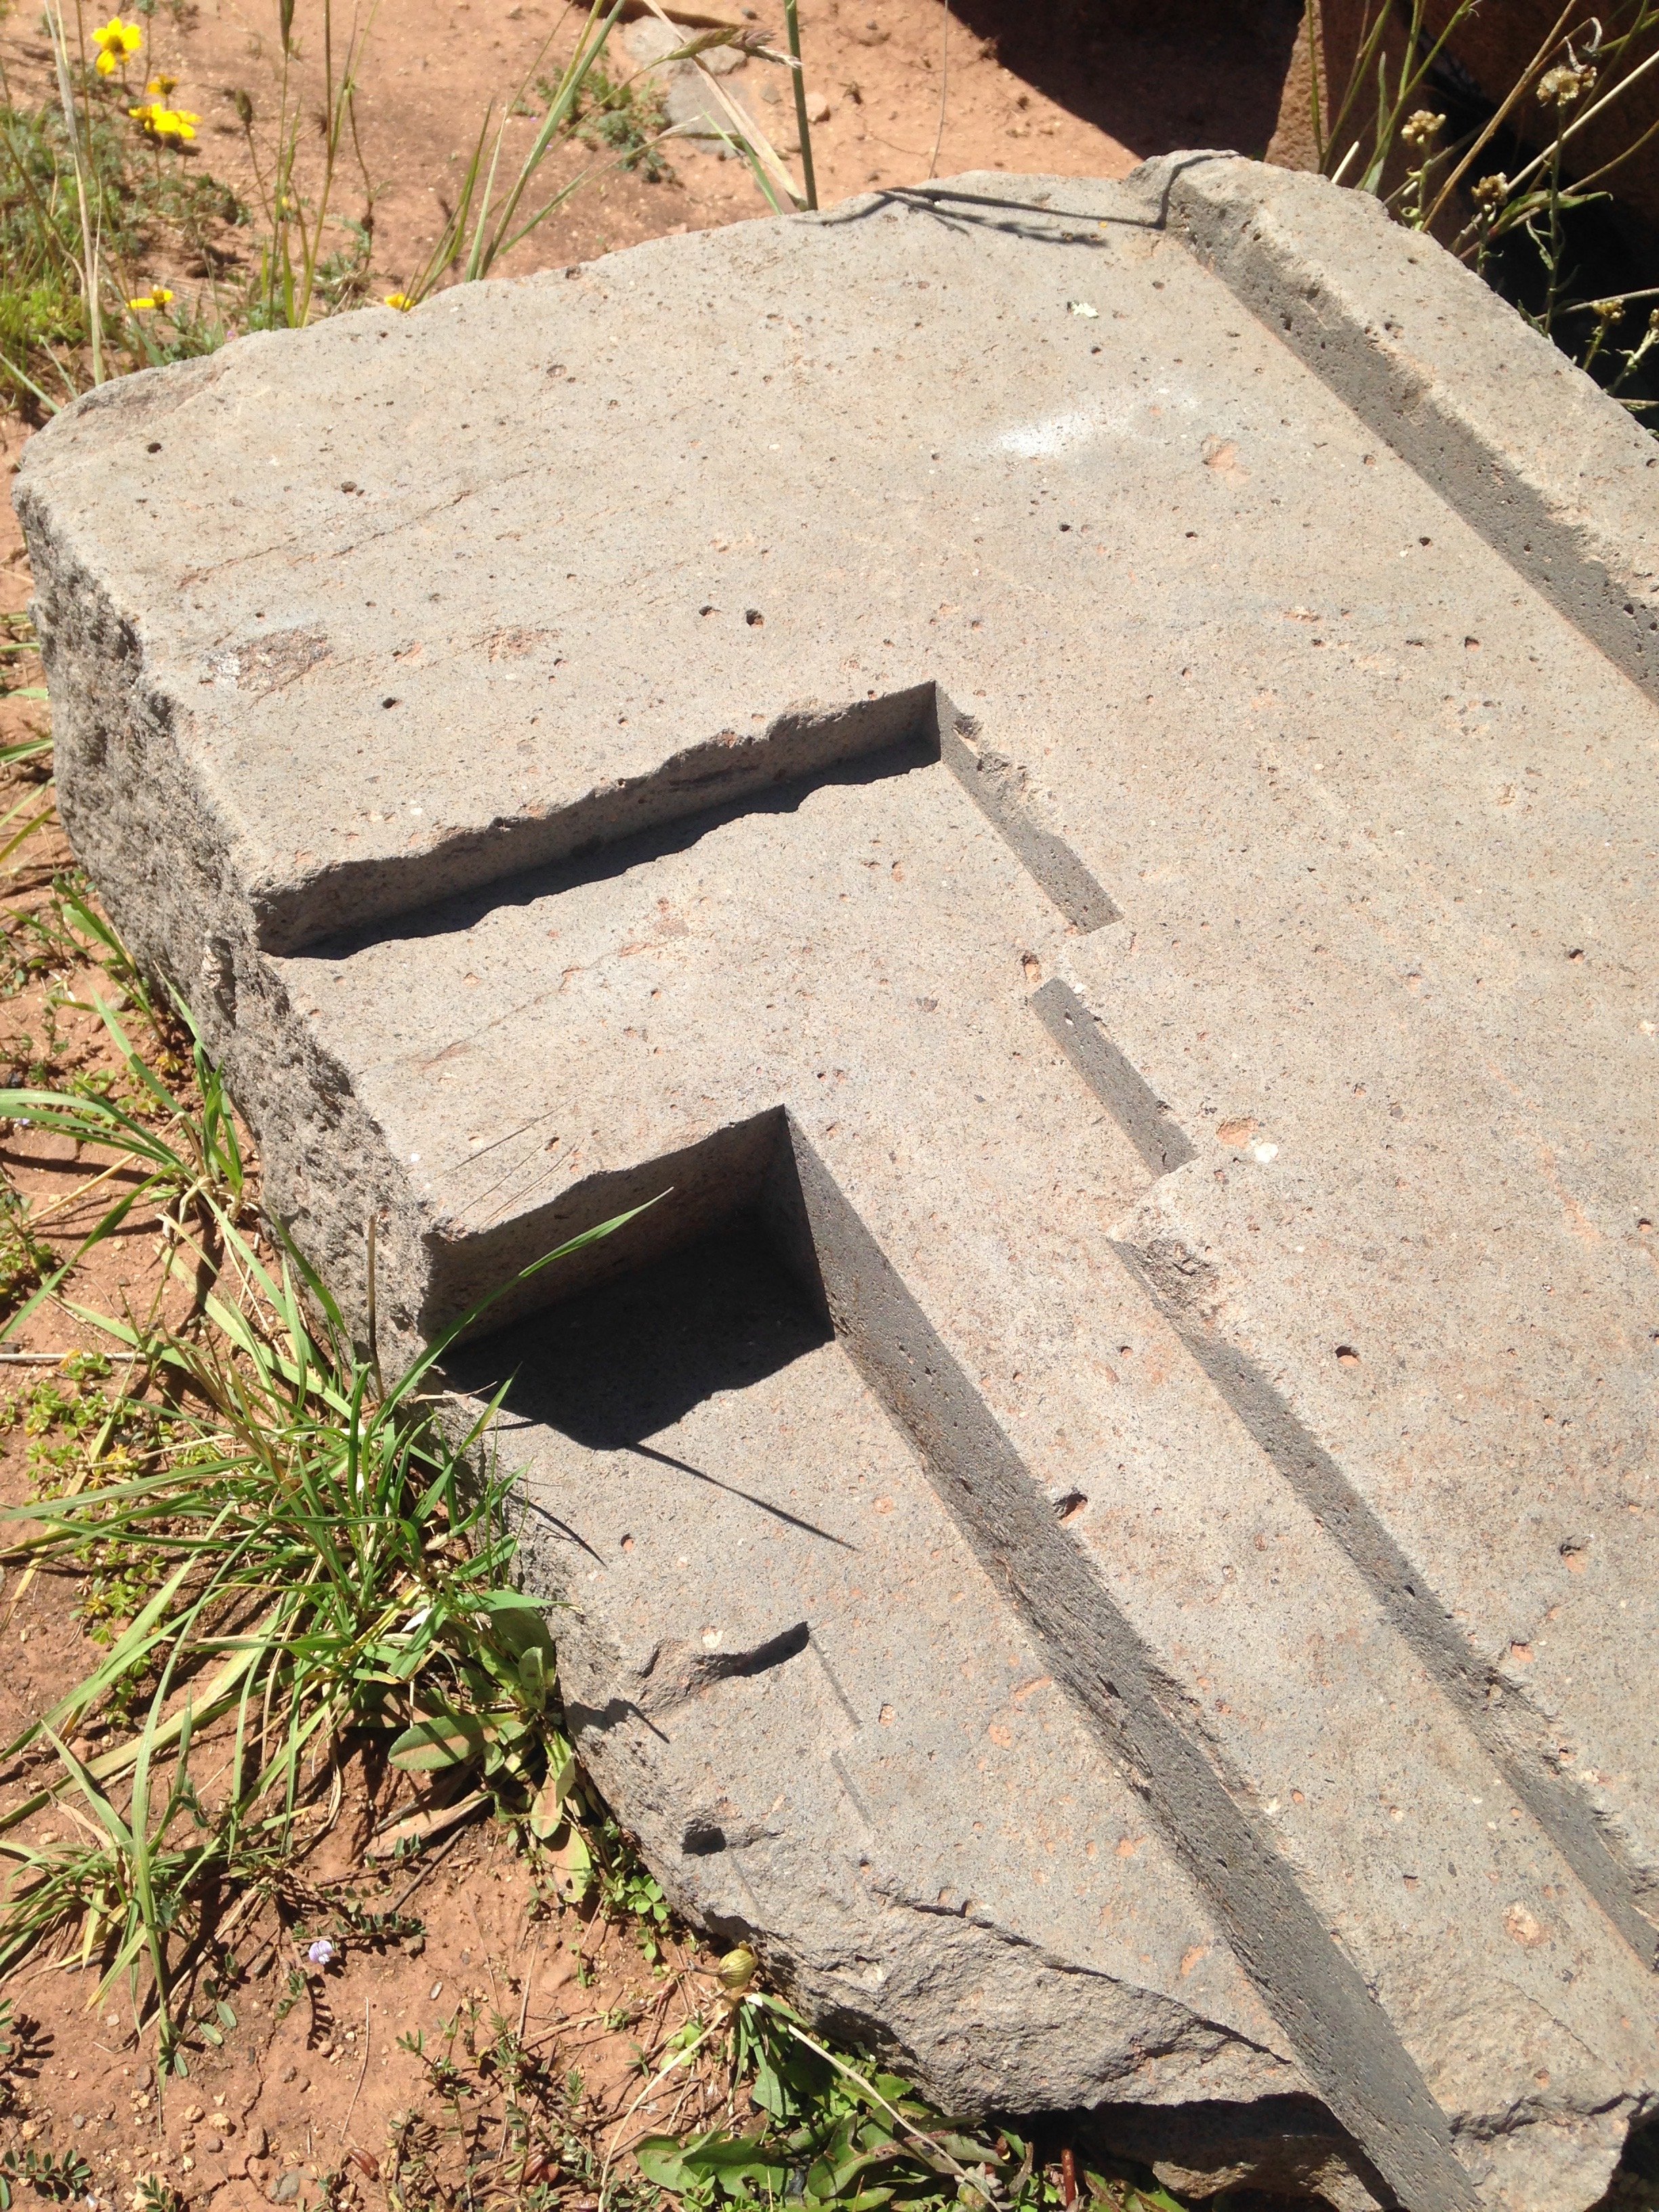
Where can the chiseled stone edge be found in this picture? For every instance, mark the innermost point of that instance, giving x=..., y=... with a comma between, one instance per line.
x=1555, y=475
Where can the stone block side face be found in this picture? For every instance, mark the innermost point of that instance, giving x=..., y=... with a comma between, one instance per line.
x=1554, y=475
x=145, y=834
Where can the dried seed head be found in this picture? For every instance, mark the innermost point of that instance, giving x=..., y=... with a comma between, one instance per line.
x=1607, y=311
x=737, y=1970
x=1565, y=84
x=1490, y=194
x=751, y=41
x=1422, y=128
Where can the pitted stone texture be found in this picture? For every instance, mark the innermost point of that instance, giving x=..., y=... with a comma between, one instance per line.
x=1556, y=475
x=939, y=734
x=842, y=1738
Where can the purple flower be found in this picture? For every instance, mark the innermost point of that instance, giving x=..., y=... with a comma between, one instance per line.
x=321, y=1953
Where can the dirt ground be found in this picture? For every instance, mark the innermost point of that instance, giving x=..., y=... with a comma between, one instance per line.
x=912, y=90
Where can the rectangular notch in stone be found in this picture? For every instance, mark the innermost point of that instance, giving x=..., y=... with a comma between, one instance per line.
x=1000, y=788
x=1343, y=2039
x=1122, y=1089
x=797, y=747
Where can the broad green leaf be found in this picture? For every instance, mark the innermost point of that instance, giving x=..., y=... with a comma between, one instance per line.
x=730, y=2160
x=441, y=1740
x=547, y=1814
x=519, y=1626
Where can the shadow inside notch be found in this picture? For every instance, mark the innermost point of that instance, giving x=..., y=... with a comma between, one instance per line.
x=630, y=1357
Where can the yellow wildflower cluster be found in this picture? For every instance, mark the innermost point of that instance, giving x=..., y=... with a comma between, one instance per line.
x=172, y=125
x=157, y=296
x=399, y=300
x=115, y=41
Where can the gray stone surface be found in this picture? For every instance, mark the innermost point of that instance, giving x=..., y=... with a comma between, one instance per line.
x=1103, y=881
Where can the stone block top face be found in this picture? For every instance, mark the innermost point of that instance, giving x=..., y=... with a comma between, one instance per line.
x=423, y=599
x=955, y=730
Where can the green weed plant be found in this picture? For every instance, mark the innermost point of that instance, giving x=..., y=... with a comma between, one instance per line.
x=139, y=194
x=625, y=117
x=832, y=2131
x=304, y=1556
x=94, y=184
x=1520, y=228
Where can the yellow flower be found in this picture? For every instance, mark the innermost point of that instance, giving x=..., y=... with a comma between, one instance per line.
x=177, y=123
x=115, y=41
x=157, y=296
x=400, y=300
x=161, y=86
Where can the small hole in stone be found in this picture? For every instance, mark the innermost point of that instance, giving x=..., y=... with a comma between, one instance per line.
x=348, y=486
x=755, y=618
x=1068, y=1508
x=154, y=446
x=1346, y=1355
x=705, y=610
x=1642, y=1226
x=388, y=702
x=1577, y=952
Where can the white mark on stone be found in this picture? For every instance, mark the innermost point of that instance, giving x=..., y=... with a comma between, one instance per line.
x=1264, y=1152
x=1034, y=441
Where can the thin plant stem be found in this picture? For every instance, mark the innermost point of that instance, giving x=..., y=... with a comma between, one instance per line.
x=809, y=181
x=944, y=83
x=1595, y=109
x=1558, y=243
x=82, y=159
x=1312, y=24
x=1517, y=92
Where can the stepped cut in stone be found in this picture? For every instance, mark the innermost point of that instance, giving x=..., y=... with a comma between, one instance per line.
x=1064, y=775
